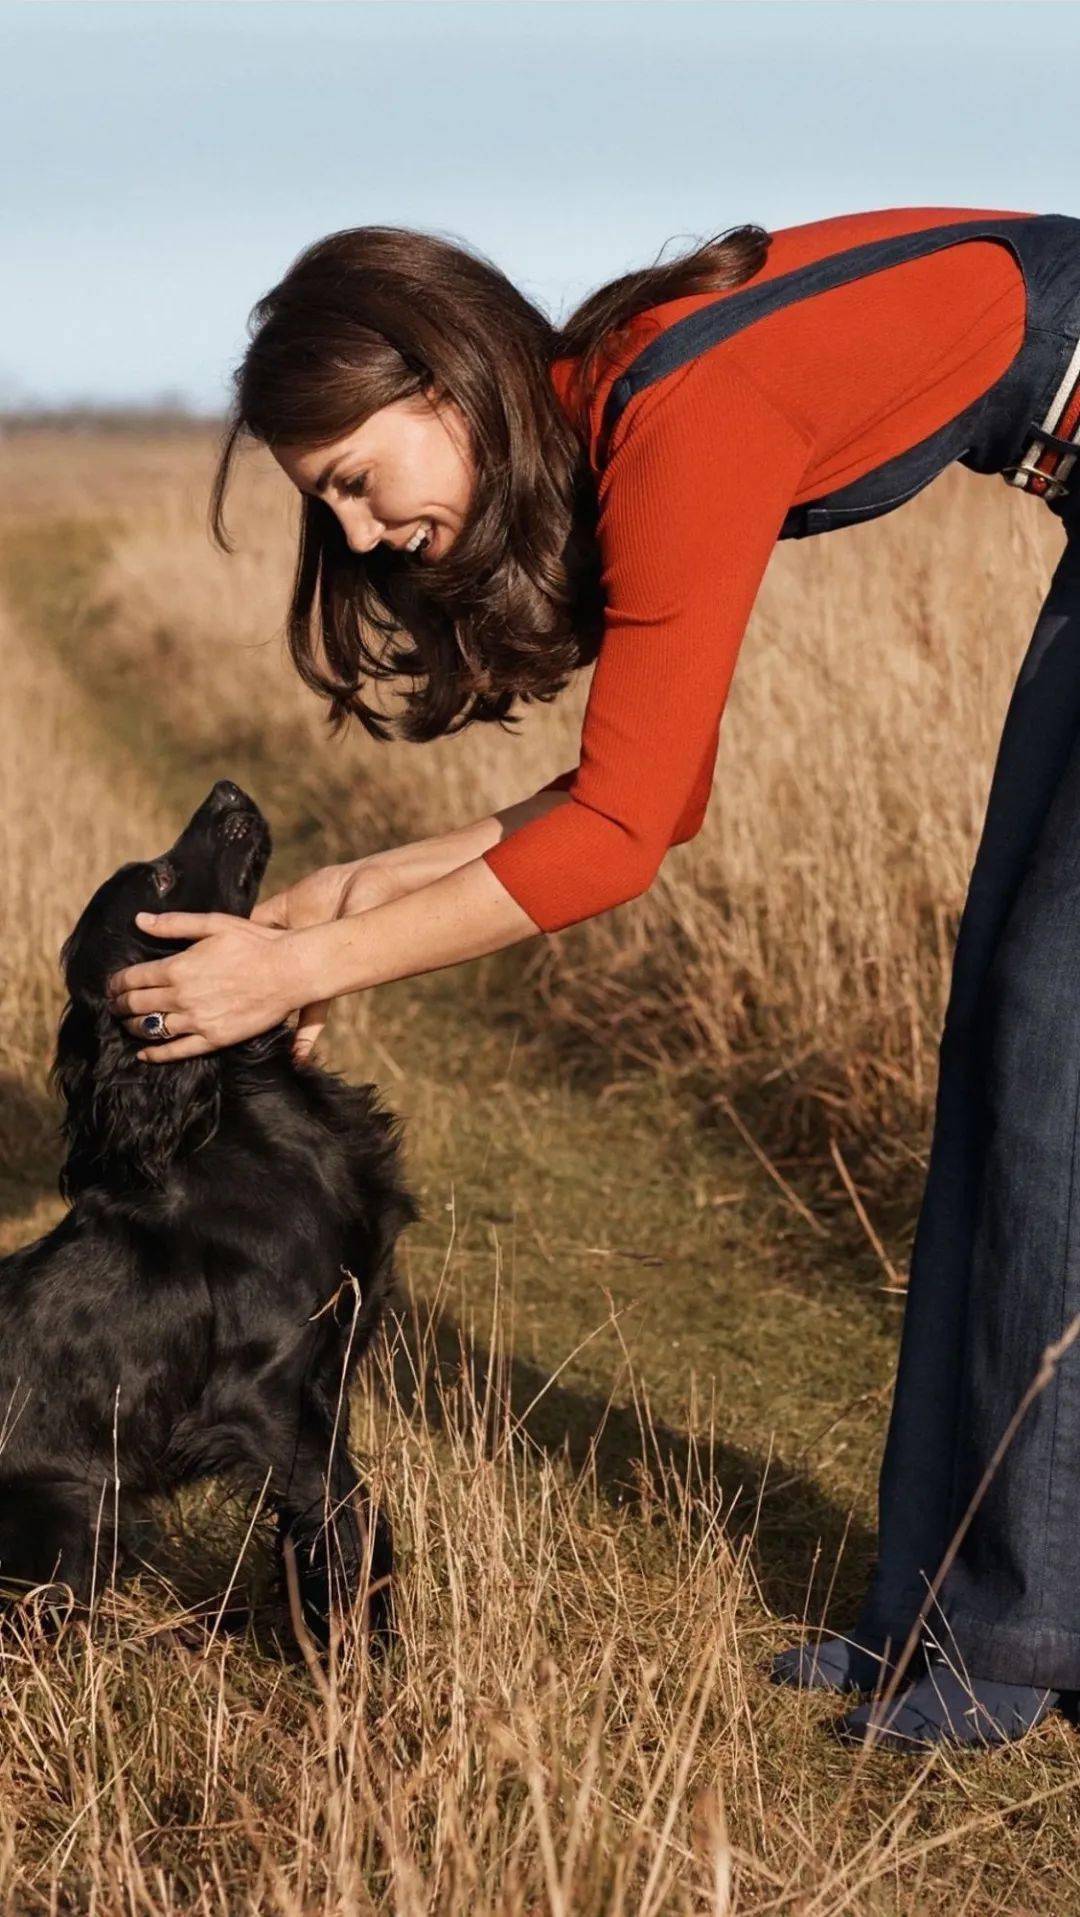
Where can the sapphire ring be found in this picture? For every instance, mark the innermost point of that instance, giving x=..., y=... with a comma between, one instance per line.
x=154, y=1025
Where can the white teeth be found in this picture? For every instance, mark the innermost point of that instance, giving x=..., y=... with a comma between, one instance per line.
x=421, y=536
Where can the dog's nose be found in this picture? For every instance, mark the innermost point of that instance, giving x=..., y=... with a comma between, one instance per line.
x=226, y=793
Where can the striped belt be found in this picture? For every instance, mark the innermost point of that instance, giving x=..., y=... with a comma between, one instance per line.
x=1048, y=461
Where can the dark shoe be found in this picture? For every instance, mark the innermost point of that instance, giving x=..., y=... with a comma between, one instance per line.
x=838, y=1664
x=942, y=1708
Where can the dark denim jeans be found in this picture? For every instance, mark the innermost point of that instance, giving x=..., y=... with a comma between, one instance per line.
x=995, y=1273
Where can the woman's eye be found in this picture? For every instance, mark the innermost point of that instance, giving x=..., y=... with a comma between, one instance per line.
x=356, y=488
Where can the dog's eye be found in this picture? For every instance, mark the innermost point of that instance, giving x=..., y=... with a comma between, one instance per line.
x=164, y=878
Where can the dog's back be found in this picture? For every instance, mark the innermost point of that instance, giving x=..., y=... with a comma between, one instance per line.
x=208, y=1323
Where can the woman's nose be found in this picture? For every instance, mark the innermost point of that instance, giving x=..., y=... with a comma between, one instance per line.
x=361, y=535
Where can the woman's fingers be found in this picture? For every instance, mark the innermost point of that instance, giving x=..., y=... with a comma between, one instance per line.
x=308, y=1030
x=153, y=976
x=152, y=998
x=177, y=1025
x=184, y=925
x=193, y=1047
x=309, y=1027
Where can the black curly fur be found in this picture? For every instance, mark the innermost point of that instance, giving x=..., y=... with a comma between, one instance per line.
x=174, y=1324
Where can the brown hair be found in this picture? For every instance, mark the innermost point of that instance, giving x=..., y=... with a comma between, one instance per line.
x=378, y=314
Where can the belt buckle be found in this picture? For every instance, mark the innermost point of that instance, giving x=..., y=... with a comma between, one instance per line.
x=1043, y=485
x=1025, y=474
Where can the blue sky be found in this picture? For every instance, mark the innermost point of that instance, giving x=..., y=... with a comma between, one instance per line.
x=162, y=163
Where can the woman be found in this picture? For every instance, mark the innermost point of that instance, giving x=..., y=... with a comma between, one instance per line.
x=489, y=503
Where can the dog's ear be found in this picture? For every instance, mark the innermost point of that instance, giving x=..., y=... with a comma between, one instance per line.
x=126, y=1120
x=72, y=1075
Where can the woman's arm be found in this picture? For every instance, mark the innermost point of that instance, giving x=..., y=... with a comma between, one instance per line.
x=404, y=868
x=464, y=914
x=691, y=503
x=356, y=885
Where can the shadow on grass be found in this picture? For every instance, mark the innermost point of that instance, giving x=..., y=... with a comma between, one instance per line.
x=646, y=1465
x=208, y=1550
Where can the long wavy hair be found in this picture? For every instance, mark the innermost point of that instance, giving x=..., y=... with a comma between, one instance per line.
x=377, y=314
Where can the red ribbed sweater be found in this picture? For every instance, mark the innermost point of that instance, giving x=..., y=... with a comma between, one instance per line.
x=702, y=467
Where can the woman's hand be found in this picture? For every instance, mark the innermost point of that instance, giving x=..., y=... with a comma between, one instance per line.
x=332, y=892
x=237, y=980
x=329, y=893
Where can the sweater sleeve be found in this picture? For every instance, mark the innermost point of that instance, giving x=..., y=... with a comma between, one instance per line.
x=692, y=500
x=693, y=812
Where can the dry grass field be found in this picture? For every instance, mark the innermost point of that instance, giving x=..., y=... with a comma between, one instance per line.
x=627, y=1419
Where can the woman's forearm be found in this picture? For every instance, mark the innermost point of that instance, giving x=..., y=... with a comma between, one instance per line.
x=464, y=914
x=405, y=868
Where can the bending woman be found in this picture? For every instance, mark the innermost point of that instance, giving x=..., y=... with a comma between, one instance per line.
x=490, y=503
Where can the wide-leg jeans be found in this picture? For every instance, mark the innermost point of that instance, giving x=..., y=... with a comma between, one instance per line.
x=995, y=1270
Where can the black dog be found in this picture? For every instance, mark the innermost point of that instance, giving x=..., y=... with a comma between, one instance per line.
x=202, y=1306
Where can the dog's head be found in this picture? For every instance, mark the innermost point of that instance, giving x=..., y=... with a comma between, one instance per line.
x=126, y=1119
x=216, y=865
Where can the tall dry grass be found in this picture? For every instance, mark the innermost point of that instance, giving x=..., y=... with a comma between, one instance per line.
x=571, y=1722
x=70, y=812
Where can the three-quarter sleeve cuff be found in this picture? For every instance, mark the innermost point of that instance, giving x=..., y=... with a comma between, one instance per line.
x=588, y=871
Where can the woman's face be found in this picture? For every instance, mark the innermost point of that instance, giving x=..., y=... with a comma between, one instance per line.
x=406, y=470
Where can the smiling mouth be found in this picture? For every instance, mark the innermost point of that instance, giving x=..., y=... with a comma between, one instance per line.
x=422, y=538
